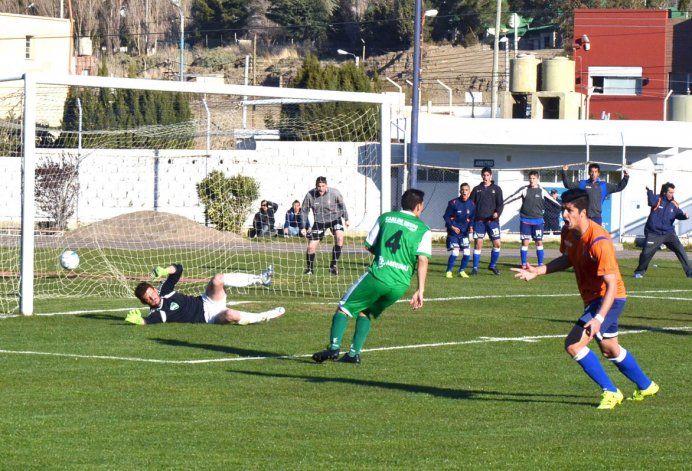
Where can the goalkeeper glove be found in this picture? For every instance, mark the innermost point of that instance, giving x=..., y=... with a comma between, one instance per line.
x=134, y=316
x=159, y=272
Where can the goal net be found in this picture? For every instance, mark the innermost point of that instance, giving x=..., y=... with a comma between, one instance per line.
x=130, y=178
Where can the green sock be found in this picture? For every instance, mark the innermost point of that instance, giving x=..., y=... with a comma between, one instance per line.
x=339, y=324
x=359, y=336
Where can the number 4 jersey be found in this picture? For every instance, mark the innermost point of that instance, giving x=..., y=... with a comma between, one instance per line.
x=396, y=241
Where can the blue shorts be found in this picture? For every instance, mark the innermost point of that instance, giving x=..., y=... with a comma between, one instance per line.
x=491, y=227
x=609, y=328
x=531, y=231
x=457, y=241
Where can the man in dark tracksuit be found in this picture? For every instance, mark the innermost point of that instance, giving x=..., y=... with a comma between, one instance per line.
x=488, y=200
x=597, y=189
x=659, y=229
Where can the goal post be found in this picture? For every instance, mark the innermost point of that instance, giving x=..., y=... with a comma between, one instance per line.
x=106, y=151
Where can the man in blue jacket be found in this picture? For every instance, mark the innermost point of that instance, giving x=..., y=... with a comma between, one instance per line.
x=597, y=189
x=659, y=229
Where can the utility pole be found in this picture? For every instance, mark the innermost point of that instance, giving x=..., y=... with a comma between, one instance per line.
x=415, y=100
x=496, y=51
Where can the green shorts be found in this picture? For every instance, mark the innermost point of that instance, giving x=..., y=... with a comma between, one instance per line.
x=370, y=296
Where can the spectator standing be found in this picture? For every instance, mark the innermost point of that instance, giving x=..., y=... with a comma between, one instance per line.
x=487, y=197
x=597, y=189
x=458, y=220
x=531, y=222
x=552, y=213
x=659, y=229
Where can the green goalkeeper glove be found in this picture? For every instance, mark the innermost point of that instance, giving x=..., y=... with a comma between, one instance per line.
x=134, y=316
x=159, y=272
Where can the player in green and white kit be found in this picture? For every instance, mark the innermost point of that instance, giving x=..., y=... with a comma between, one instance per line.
x=400, y=242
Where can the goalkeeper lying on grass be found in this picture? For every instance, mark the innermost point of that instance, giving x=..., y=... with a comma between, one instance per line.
x=167, y=305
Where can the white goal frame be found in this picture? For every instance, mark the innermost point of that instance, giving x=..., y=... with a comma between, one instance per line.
x=32, y=80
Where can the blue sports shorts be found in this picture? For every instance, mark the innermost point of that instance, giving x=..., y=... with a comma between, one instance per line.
x=531, y=231
x=457, y=241
x=609, y=328
x=491, y=227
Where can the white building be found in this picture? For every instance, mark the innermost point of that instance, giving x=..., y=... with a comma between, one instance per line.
x=34, y=44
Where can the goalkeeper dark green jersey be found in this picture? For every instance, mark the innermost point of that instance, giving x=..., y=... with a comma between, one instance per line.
x=396, y=241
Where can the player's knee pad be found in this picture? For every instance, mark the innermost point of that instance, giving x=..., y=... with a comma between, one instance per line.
x=455, y=251
x=467, y=252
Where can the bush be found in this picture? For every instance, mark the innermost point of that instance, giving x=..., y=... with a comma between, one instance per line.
x=215, y=59
x=227, y=200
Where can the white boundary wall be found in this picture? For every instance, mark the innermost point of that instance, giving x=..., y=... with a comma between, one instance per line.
x=299, y=164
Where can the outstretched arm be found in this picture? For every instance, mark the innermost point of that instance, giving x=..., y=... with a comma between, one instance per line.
x=527, y=274
x=515, y=196
x=550, y=198
x=620, y=186
x=568, y=184
x=174, y=272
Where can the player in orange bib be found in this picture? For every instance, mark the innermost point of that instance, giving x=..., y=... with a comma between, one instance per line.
x=587, y=247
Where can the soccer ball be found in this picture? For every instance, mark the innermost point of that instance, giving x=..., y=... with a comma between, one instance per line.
x=69, y=260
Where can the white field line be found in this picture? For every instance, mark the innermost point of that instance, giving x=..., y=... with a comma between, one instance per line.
x=479, y=340
x=632, y=294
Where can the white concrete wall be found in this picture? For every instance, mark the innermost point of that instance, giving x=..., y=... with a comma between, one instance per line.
x=114, y=182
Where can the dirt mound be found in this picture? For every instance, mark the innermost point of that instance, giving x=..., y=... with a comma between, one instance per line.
x=144, y=230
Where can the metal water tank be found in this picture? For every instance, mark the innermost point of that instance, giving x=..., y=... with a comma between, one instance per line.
x=558, y=75
x=524, y=74
x=680, y=108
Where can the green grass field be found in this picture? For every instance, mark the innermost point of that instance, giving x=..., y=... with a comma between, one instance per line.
x=477, y=379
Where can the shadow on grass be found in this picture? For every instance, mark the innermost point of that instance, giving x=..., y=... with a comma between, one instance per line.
x=624, y=327
x=466, y=394
x=242, y=352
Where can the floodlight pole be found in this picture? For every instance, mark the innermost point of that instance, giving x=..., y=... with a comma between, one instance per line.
x=415, y=100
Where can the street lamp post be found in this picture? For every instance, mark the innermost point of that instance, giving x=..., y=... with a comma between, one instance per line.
x=415, y=99
x=504, y=40
x=178, y=4
x=341, y=52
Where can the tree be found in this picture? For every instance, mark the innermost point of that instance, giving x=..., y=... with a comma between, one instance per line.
x=57, y=187
x=463, y=21
x=298, y=122
x=220, y=15
x=303, y=19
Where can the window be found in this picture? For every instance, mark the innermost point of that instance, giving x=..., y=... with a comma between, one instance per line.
x=28, y=52
x=616, y=80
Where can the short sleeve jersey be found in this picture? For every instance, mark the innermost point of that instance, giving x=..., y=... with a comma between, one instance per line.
x=396, y=240
x=592, y=255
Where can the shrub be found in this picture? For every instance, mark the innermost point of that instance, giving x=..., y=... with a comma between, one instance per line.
x=227, y=200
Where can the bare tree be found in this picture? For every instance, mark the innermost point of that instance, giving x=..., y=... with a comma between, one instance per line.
x=57, y=188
